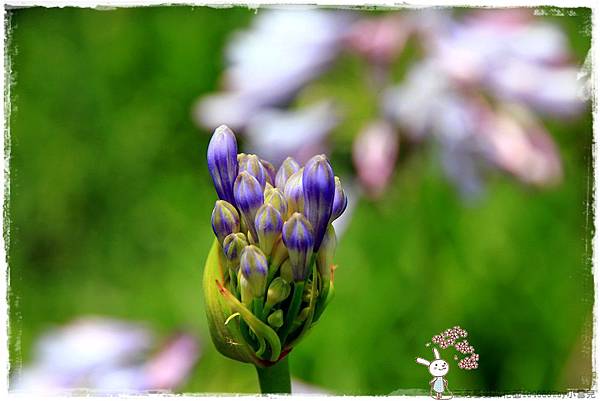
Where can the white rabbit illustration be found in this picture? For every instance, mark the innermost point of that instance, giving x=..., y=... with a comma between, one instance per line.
x=438, y=368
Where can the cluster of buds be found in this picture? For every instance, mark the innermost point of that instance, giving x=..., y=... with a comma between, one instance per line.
x=470, y=362
x=270, y=274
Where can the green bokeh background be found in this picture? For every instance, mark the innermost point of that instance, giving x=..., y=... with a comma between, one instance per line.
x=110, y=201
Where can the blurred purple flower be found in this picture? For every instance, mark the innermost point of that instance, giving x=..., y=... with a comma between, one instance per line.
x=301, y=133
x=271, y=61
x=513, y=55
x=105, y=356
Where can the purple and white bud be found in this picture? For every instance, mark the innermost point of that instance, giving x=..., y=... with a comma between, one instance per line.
x=270, y=169
x=299, y=241
x=233, y=245
x=254, y=268
x=252, y=164
x=268, y=224
x=287, y=169
x=248, y=195
x=276, y=198
x=225, y=220
x=318, y=185
x=340, y=201
x=222, y=162
x=294, y=194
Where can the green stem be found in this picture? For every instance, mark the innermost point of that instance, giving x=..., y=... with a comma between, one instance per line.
x=276, y=378
x=292, y=310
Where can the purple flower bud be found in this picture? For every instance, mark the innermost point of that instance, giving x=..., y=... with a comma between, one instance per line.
x=318, y=185
x=254, y=268
x=241, y=157
x=340, y=201
x=225, y=220
x=222, y=162
x=233, y=245
x=298, y=238
x=268, y=224
x=252, y=164
x=276, y=198
x=270, y=171
x=294, y=194
x=249, y=198
x=287, y=169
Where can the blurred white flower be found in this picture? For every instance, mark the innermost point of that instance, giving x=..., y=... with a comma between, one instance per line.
x=105, y=356
x=276, y=134
x=270, y=62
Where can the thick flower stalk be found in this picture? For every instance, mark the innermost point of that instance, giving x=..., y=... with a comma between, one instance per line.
x=269, y=275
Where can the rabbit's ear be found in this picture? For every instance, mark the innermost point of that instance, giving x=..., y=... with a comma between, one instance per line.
x=423, y=361
x=436, y=353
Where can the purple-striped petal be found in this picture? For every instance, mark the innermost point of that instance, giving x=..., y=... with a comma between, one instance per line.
x=318, y=185
x=222, y=162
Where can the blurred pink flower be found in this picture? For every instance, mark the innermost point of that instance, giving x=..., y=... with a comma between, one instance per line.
x=374, y=154
x=379, y=39
x=522, y=147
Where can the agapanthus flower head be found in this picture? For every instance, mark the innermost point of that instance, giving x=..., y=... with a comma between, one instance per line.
x=266, y=280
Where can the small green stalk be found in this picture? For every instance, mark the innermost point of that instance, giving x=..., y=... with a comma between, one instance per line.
x=275, y=379
x=293, y=310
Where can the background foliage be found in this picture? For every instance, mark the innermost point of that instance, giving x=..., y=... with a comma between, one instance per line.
x=110, y=200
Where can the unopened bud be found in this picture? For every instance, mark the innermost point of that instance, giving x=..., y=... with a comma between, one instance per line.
x=268, y=224
x=287, y=169
x=254, y=268
x=298, y=238
x=233, y=245
x=275, y=319
x=326, y=253
x=225, y=220
x=278, y=291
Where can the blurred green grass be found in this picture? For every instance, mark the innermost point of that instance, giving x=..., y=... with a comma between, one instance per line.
x=110, y=202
